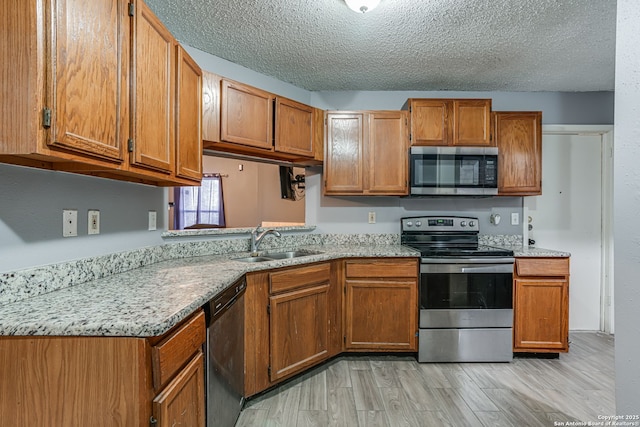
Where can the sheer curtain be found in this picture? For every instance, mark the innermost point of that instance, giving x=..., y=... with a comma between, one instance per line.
x=200, y=206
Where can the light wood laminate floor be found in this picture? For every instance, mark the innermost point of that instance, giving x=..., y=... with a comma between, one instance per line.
x=397, y=391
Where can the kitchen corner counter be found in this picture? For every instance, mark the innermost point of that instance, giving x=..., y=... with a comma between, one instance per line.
x=149, y=300
x=531, y=251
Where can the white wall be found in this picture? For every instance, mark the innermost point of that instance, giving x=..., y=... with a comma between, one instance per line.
x=31, y=207
x=626, y=208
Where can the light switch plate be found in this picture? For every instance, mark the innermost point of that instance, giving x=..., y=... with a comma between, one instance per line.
x=152, y=220
x=515, y=218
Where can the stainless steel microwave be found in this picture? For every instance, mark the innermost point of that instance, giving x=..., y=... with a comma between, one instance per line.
x=461, y=171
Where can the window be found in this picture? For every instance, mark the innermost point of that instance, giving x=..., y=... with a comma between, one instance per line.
x=200, y=207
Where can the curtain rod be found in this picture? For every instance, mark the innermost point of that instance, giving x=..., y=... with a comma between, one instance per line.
x=214, y=175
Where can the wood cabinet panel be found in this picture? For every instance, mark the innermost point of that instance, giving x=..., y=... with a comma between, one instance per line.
x=541, y=305
x=289, y=280
x=381, y=304
x=294, y=127
x=153, y=88
x=387, y=153
x=182, y=401
x=542, y=267
x=450, y=122
x=472, y=122
x=378, y=268
x=299, y=329
x=84, y=30
x=169, y=355
x=366, y=153
x=211, y=106
x=518, y=136
x=74, y=381
x=344, y=149
x=430, y=122
x=246, y=115
x=380, y=315
x=188, y=117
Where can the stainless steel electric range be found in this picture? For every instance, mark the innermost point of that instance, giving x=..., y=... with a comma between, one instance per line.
x=466, y=291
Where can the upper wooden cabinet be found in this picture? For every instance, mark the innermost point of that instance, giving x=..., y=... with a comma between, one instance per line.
x=457, y=122
x=89, y=87
x=188, y=117
x=294, y=128
x=241, y=119
x=246, y=115
x=366, y=152
x=541, y=305
x=519, y=139
x=153, y=138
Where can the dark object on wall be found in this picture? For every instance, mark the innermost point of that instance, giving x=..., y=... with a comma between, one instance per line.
x=291, y=188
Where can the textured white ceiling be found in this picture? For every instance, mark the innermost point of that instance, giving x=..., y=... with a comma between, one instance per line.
x=464, y=45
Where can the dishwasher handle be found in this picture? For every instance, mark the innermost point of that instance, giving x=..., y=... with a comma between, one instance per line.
x=223, y=301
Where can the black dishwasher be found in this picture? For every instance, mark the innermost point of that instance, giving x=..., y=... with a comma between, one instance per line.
x=225, y=356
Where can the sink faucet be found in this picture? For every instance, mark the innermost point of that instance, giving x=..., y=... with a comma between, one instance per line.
x=257, y=236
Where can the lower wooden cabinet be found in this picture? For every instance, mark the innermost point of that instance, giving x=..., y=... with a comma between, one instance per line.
x=104, y=381
x=381, y=305
x=181, y=403
x=541, y=305
x=299, y=309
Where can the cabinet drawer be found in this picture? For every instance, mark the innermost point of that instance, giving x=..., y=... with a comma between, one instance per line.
x=291, y=279
x=176, y=349
x=542, y=266
x=382, y=268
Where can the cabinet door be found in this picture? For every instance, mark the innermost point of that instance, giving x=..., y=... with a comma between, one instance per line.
x=472, y=122
x=343, y=170
x=519, y=139
x=294, y=128
x=246, y=115
x=182, y=401
x=188, y=117
x=90, y=64
x=299, y=329
x=430, y=122
x=541, y=315
x=387, y=153
x=381, y=314
x=211, y=106
x=153, y=89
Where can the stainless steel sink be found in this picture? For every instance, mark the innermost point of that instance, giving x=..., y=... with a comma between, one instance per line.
x=272, y=256
x=253, y=259
x=290, y=254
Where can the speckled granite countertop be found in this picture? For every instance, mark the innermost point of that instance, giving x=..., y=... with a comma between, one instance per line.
x=530, y=251
x=148, y=301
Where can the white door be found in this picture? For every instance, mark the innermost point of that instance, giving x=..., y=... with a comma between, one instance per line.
x=568, y=217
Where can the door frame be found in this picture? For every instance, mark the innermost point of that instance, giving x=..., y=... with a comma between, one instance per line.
x=606, y=233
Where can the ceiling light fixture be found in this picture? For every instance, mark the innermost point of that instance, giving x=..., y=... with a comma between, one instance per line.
x=362, y=6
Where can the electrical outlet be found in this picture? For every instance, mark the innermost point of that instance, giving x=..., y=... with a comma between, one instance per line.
x=152, y=220
x=372, y=217
x=515, y=218
x=93, y=222
x=69, y=222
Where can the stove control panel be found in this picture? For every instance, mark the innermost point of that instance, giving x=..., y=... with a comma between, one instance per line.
x=440, y=223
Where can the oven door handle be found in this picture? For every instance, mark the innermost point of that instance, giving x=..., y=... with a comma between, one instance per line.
x=467, y=268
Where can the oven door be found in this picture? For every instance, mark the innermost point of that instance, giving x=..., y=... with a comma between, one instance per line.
x=453, y=170
x=466, y=310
